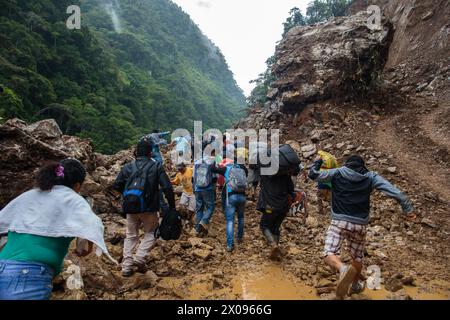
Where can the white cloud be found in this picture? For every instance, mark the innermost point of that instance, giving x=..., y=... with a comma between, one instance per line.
x=246, y=31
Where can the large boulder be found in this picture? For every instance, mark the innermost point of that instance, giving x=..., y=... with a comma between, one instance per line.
x=338, y=58
x=25, y=148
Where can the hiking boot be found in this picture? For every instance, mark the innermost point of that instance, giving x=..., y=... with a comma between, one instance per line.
x=203, y=228
x=240, y=241
x=275, y=253
x=229, y=249
x=141, y=267
x=357, y=287
x=345, y=280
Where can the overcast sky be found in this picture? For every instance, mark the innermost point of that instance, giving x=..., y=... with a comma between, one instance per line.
x=246, y=31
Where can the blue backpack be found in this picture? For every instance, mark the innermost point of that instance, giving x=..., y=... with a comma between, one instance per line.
x=134, y=193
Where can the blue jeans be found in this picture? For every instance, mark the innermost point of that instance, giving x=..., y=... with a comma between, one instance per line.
x=25, y=280
x=205, y=205
x=236, y=203
x=223, y=195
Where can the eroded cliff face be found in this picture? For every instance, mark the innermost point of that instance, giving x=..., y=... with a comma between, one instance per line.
x=339, y=58
x=418, y=60
x=400, y=128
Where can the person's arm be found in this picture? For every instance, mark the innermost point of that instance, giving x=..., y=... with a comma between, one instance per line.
x=321, y=176
x=121, y=181
x=381, y=184
x=176, y=180
x=166, y=186
x=162, y=134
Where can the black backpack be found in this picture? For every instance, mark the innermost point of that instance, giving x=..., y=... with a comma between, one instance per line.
x=134, y=193
x=171, y=226
x=288, y=157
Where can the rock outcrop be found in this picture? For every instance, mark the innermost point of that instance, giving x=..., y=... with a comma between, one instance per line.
x=339, y=58
x=418, y=61
x=25, y=148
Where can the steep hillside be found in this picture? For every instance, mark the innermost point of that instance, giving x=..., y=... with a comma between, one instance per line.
x=133, y=66
x=339, y=87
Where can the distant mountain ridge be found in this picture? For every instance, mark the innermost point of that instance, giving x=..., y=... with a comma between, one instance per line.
x=134, y=66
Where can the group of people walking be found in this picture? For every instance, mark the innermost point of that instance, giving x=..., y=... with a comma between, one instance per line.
x=41, y=223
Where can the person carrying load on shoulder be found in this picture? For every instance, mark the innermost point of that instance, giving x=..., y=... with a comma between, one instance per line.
x=140, y=181
x=41, y=224
x=324, y=188
x=276, y=195
x=353, y=185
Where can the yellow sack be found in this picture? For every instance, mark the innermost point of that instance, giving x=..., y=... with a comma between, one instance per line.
x=329, y=161
x=242, y=153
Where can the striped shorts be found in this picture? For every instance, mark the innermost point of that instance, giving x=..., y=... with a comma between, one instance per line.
x=354, y=234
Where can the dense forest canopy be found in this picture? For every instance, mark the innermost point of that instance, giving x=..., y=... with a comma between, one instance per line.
x=316, y=12
x=135, y=65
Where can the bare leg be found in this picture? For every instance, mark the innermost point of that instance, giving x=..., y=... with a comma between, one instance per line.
x=358, y=266
x=334, y=262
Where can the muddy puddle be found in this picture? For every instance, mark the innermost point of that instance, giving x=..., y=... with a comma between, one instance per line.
x=271, y=282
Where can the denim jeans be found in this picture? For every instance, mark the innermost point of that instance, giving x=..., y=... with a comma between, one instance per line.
x=236, y=203
x=25, y=280
x=223, y=196
x=205, y=205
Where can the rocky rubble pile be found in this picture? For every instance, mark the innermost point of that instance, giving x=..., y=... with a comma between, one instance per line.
x=25, y=148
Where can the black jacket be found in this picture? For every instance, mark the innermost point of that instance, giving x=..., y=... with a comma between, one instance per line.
x=274, y=192
x=157, y=177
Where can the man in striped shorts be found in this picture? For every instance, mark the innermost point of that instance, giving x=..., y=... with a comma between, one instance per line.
x=352, y=187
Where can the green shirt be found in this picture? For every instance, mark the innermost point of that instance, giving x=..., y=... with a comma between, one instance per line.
x=32, y=248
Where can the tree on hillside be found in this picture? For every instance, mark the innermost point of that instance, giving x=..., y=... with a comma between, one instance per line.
x=296, y=18
x=258, y=94
x=322, y=10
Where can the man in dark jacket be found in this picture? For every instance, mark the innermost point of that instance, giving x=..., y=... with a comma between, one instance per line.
x=156, y=178
x=273, y=203
x=352, y=187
